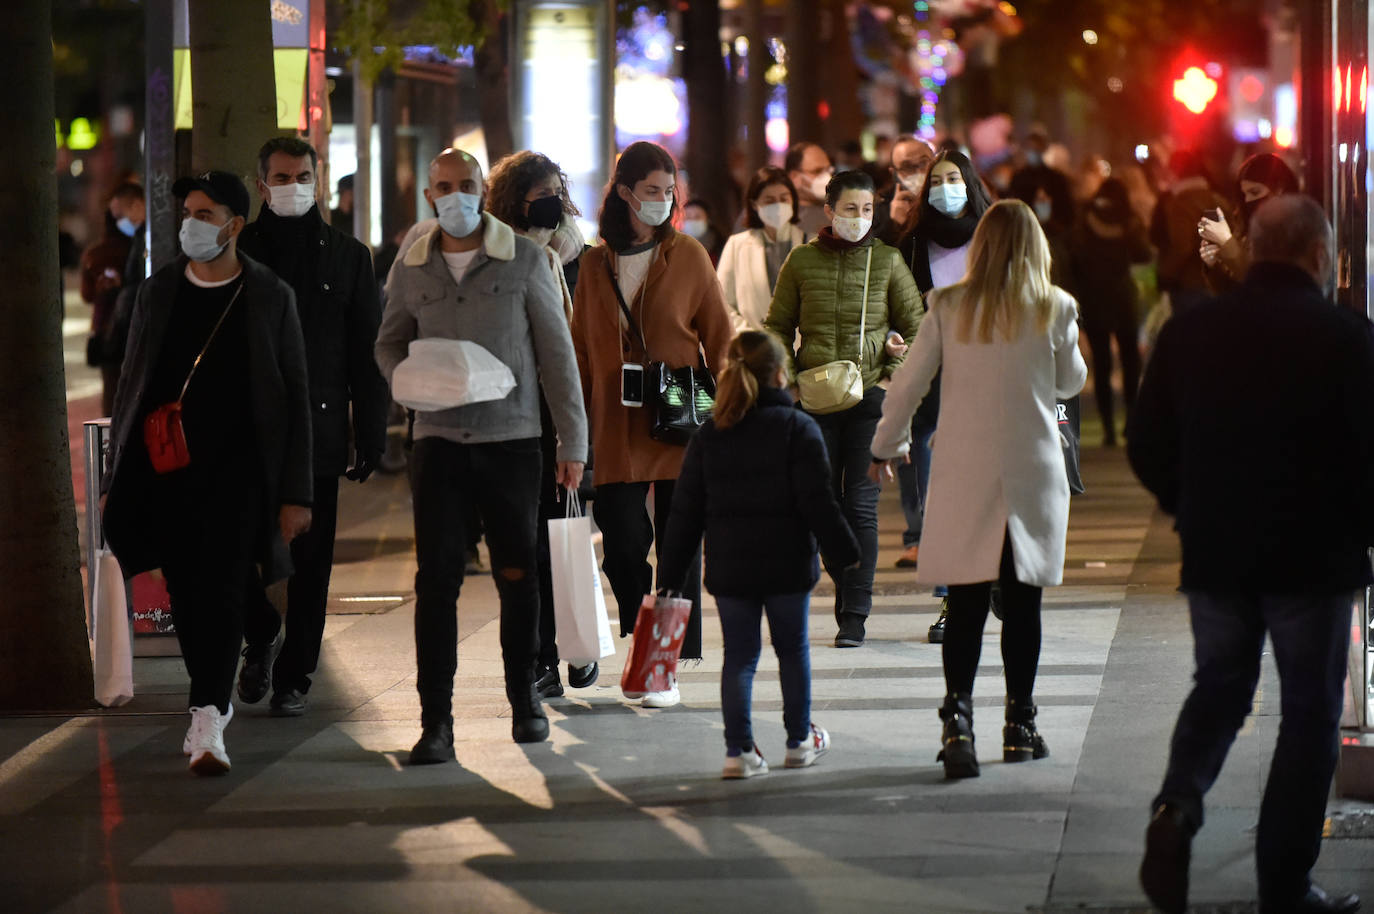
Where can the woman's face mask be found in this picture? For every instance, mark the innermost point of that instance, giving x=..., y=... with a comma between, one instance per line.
x=851, y=228
x=949, y=199
x=775, y=215
x=545, y=213
x=653, y=213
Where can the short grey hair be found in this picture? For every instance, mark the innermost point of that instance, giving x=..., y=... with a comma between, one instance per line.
x=1284, y=228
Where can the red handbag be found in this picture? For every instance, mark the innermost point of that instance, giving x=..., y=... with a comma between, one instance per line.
x=660, y=630
x=163, y=434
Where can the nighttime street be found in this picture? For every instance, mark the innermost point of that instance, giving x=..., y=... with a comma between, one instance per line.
x=565, y=456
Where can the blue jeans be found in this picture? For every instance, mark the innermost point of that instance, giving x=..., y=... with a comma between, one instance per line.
x=914, y=481
x=739, y=622
x=1310, y=634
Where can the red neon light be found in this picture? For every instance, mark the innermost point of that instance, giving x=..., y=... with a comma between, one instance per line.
x=1195, y=90
x=1251, y=88
x=1364, y=87
x=1337, y=77
x=1347, y=88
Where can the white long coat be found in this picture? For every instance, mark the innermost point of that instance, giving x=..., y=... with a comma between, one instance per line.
x=743, y=273
x=998, y=464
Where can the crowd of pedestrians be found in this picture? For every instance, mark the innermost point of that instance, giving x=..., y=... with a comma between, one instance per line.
x=866, y=324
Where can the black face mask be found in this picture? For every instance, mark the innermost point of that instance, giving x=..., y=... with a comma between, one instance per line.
x=546, y=212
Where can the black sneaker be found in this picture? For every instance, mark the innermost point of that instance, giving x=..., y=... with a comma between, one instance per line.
x=548, y=683
x=580, y=677
x=936, y=633
x=288, y=703
x=851, y=633
x=255, y=677
x=434, y=746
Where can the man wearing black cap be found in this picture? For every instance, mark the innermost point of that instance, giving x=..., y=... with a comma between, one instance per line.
x=210, y=470
x=336, y=300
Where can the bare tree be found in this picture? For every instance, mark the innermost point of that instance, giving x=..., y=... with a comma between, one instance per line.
x=45, y=661
x=233, y=84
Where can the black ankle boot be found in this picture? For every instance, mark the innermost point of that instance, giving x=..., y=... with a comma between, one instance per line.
x=1021, y=742
x=529, y=723
x=958, y=754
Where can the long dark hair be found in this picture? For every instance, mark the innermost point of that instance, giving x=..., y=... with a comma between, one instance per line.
x=978, y=200
x=764, y=178
x=636, y=163
x=753, y=363
x=510, y=181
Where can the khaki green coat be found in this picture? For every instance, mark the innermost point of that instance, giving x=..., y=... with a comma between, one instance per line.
x=819, y=293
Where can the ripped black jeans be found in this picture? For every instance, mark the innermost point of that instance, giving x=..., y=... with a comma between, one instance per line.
x=501, y=481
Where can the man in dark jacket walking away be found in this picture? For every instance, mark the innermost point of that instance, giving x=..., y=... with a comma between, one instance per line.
x=210, y=469
x=1255, y=428
x=336, y=298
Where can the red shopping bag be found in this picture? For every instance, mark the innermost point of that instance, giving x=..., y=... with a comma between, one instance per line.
x=659, y=631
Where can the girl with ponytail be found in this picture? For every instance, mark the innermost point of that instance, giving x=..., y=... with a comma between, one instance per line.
x=756, y=482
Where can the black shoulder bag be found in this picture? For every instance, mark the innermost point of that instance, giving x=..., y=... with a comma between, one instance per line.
x=682, y=399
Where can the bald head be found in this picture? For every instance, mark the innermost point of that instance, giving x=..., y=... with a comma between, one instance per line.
x=1293, y=229
x=453, y=170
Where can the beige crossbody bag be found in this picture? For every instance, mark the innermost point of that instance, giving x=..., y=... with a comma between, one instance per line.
x=837, y=385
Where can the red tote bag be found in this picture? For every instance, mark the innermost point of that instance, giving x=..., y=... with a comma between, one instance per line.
x=659, y=631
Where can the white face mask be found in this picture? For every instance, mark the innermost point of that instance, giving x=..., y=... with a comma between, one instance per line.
x=775, y=215
x=291, y=200
x=851, y=228
x=1043, y=210
x=819, y=184
x=914, y=183
x=460, y=214
x=653, y=213
x=949, y=198
x=200, y=240
x=697, y=228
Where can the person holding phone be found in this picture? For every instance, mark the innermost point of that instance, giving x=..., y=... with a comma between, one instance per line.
x=1223, y=251
x=647, y=293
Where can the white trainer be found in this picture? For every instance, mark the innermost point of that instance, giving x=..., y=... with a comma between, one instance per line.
x=206, y=738
x=744, y=765
x=805, y=755
x=662, y=699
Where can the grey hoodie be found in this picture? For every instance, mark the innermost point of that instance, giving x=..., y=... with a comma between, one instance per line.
x=508, y=303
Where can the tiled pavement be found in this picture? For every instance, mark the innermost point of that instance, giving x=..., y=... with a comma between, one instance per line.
x=622, y=809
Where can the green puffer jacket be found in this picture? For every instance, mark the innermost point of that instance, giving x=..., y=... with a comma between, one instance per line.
x=819, y=292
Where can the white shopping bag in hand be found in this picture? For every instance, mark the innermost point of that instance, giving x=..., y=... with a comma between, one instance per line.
x=579, y=604
x=114, y=651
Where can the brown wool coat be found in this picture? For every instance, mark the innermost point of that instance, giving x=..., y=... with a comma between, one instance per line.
x=680, y=307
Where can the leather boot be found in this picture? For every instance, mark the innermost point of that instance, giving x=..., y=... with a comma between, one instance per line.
x=936, y=633
x=529, y=723
x=958, y=754
x=1021, y=742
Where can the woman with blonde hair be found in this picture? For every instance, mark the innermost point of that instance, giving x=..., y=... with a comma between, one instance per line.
x=756, y=481
x=1006, y=341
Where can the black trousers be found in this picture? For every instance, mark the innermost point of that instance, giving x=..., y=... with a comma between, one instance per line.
x=968, y=613
x=208, y=563
x=501, y=481
x=627, y=532
x=307, y=596
x=1118, y=322
x=849, y=442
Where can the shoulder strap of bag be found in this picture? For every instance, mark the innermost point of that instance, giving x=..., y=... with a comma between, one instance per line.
x=863, y=314
x=206, y=348
x=619, y=297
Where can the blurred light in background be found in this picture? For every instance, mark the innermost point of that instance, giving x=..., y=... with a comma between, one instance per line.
x=1089, y=36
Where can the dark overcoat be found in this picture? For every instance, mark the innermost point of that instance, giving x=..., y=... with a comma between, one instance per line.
x=340, y=311
x=276, y=377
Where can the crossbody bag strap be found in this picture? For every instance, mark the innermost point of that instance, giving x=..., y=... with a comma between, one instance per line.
x=863, y=314
x=620, y=297
x=206, y=348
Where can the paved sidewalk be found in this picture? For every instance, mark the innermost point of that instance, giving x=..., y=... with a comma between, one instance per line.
x=623, y=809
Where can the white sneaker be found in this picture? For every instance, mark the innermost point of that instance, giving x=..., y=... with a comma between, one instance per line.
x=744, y=765
x=662, y=699
x=812, y=748
x=206, y=738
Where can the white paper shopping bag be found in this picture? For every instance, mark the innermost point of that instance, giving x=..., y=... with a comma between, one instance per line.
x=579, y=605
x=114, y=651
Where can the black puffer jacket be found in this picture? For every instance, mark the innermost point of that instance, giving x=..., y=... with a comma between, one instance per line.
x=336, y=298
x=760, y=491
